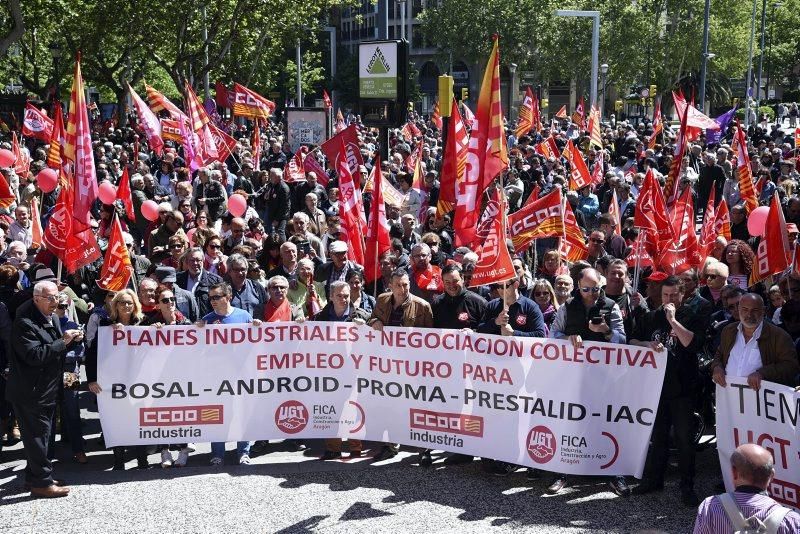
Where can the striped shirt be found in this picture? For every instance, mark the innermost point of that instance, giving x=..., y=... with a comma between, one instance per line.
x=712, y=519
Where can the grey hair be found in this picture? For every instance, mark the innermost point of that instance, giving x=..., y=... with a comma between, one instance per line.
x=277, y=278
x=236, y=259
x=40, y=287
x=301, y=216
x=336, y=285
x=307, y=262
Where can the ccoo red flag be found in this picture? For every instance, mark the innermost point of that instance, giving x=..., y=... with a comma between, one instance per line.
x=378, y=240
x=117, y=269
x=651, y=216
x=124, y=194
x=494, y=261
x=579, y=176
x=454, y=162
x=771, y=256
x=538, y=219
x=350, y=209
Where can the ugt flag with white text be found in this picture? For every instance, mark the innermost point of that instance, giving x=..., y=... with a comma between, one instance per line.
x=767, y=417
x=529, y=401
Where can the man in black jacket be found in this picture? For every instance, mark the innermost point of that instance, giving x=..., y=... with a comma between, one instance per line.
x=197, y=280
x=36, y=361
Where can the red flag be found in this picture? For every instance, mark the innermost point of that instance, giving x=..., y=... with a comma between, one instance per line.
x=487, y=155
x=294, y=168
x=75, y=247
x=436, y=117
x=327, y=99
x=124, y=194
x=158, y=102
x=577, y=116
x=350, y=209
x=707, y=233
x=22, y=163
x=562, y=113
x=639, y=252
x=597, y=170
x=149, y=122
x=651, y=215
x=745, y=172
x=538, y=219
x=225, y=143
x=378, y=240
x=494, y=261
x=454, y=162
x=37, y=124
x=349, y=139
x=526, y=111
x=7, y=198
x=250, y=104
x=579, y=173
x=55, y=153
x=722, y=220
x=223, y=97
x=78, y=150
x=310, y=164
x=117, y=269
x=595, y=137
x=410, y=131
x=534, y=196
x=255, y=144
x=683, y=252
x=657, y=126
x=673, y=177
x=573, y=246
x=771, y=256
x=613, y=210
x=171, y=130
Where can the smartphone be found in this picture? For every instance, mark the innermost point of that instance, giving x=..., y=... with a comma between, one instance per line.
x=305, y=246
x=596, y=320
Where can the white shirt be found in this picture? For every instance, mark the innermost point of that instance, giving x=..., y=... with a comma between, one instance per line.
x=745, y=358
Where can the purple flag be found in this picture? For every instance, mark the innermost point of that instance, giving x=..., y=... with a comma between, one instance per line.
x=714, y=136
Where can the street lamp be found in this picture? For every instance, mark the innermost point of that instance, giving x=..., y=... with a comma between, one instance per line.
x=512, y=88
x=704, y=63
x=775, y=6
x=402, y=18
x=55, y=52
x=748, y=95
x=595, y=16
x=603, y=73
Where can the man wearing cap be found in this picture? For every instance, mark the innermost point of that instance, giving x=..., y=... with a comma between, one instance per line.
x=337, y=266
x=654, y=289
x=36, y=361
x=184, y=300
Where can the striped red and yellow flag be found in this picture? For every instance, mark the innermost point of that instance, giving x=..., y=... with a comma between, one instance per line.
x=746, y=190
x=158, y=102
x=436, y=116
x=198, y=117
x=55, y=152
x=595, y=138
x=247, y=103
x=525, y=122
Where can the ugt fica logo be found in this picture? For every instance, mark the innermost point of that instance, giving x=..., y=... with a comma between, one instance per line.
x=291, y=417
x=541, y=444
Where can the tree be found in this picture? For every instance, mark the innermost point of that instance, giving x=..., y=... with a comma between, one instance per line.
x=17, y=25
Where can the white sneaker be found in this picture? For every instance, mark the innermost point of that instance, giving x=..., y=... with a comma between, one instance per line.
x=216, y=461
x=166, y=459
x=183, y=458
x=244, y=459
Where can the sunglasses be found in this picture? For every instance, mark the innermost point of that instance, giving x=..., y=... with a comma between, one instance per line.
x=590, y=289
x=167, y=300
x=596, y=240
x=216, y=297
x=711, y=277
x=176, y=246
x=215, y=247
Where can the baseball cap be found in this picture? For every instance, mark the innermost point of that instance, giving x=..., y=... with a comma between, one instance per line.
x=165, y=274
x=338, y=246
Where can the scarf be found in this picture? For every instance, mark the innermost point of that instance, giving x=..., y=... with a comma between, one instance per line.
x=430, y=279
x=273, y=313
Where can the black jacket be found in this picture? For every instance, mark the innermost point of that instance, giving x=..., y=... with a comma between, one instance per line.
x=462, y=311
x=200, y=291
x=36, y=358
x=278, y=202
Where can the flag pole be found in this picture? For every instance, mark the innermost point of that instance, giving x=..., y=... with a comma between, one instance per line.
x=642, y=233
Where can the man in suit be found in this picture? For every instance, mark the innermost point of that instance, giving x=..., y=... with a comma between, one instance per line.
x=197, y=280
x=36, y=361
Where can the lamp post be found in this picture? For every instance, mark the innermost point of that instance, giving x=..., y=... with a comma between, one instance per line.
x=512, y=88
x=705, y=58
x=402, y=18
x=603, y=73
x=750, y=69
x=55, y=52
x=775, y=6
x=299, y=59
x=595, y=16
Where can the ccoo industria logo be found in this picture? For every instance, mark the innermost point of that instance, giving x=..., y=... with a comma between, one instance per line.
x=455, y=423
x=211, y=414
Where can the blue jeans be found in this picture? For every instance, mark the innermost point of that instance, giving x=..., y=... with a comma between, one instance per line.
x=218, y=449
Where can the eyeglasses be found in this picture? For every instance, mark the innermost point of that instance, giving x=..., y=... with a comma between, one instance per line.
x=596, y=240
x=541, y=294
x=48, y=298
x=590, y=289
x=240, y=270
x=176, y=246
x=216, y=297
x=711, y=277
x=167, y=300
x=215, y=247
x=126, y=303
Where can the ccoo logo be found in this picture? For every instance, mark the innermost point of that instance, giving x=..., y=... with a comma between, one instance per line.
x=541, y=444
x=291, y=417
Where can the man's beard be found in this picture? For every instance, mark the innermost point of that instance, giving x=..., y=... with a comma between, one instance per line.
x=562, y=293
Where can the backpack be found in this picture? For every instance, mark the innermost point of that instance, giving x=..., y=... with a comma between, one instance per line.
x=751, y=525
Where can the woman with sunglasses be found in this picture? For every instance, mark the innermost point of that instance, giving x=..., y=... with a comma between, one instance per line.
x=169, y=315
x=545, y=297
x=125, y=310
x=215, y=259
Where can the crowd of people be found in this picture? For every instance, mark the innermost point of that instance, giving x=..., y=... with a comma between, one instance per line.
x=286, y=259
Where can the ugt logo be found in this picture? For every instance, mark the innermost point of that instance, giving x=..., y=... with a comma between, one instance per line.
x=291, y=417
x=541, y=444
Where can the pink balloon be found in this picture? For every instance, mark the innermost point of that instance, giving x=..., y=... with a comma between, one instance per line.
x=237, y=205
x=7, y=158
x=150, y=210
x=757, y=221
x=47, y=179
x=107, y=192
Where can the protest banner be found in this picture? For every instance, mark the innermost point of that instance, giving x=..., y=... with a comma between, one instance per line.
x=530, y=401
x=767, y=417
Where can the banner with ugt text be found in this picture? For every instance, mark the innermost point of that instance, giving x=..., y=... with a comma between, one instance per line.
x=767, y=417
x=530, y=401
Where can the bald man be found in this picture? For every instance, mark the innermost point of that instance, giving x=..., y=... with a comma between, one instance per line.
x=752, y=470
x=755, y=349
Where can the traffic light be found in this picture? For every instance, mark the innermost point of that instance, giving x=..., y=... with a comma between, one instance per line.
x=545, y=103
x=464, y=94
x=618, y=105
x=445, y=95
x=653, y=91
x=410, y=107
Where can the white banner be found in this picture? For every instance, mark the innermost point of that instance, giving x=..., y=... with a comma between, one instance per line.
x=530, y=401
x=767, y=417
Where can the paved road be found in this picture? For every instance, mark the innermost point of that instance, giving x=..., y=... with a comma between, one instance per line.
x=285, y=492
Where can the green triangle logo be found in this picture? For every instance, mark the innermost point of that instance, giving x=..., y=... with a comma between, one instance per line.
x=378, y=64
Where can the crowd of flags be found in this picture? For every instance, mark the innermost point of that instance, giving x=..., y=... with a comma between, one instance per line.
x=475, y=155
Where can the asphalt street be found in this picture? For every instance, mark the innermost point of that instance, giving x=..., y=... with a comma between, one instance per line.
x=287, y=491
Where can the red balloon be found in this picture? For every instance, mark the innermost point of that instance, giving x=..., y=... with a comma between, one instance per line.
x=47, y=179
x=757, y=220
x=107, y=192
x=150, y=210
x=237, y=205
x=7, y=158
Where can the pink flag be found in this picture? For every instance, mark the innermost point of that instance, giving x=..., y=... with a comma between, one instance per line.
x=149, y=122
